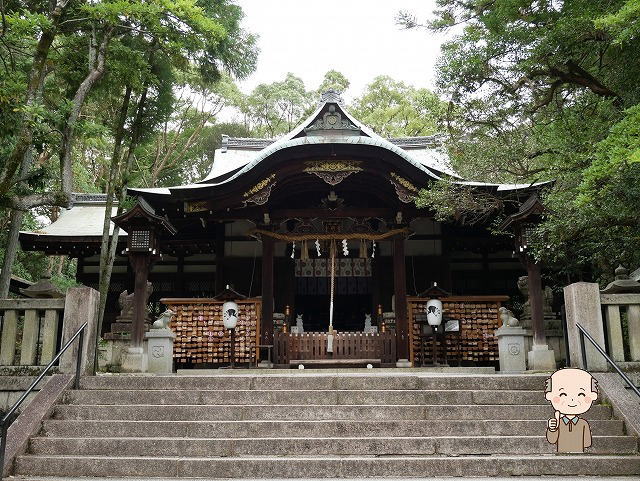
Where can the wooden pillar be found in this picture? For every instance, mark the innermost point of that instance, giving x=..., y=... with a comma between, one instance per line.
x=266, y=326
x=375, y=285
x=180, y=285
x=288, y=297
x=141, y=263
x=400, y=291
x=219, y=250
x=534, y=281
x=486, y=275
x=80, y=270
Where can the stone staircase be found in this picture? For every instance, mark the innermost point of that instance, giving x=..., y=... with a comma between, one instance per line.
x=315, y=425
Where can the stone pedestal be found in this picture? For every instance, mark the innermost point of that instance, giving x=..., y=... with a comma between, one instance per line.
x=582, y=305
x=403, y=363
x=111, y=352
x=511, y=349
x=555, y=341
x=264, y=364
x=541, y=358
x=134, y=359
x=160, y=350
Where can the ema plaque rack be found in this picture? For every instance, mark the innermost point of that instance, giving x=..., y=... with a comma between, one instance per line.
x=478, y=318
x=200, y=334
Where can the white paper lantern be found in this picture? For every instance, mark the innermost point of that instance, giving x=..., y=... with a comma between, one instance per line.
x=434, y=312
x=230, y=314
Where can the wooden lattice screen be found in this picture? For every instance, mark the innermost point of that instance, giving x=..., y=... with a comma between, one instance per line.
x=201, y=336
x=479, y=317
x=346, y=345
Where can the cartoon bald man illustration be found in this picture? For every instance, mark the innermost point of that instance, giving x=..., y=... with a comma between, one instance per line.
x=571, y=392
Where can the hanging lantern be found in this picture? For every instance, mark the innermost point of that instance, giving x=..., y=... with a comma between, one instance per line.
x=434, y=312
x=230, y=314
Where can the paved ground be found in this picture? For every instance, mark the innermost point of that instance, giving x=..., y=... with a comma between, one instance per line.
x=514, y=478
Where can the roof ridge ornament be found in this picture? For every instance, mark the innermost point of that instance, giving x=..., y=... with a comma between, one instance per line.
x=331, y=96
x=333, y=120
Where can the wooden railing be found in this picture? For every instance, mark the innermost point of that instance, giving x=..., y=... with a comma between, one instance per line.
x=36, y=323
x=346, y=345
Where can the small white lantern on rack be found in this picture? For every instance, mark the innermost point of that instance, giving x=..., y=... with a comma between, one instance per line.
x=434, y=312
x=230, y=320
x=230, y=315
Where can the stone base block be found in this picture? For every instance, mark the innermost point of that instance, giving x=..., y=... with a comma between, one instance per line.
x=511, y=349
x=111, y=352
x=265, y=365
x=134, y=359
x=160, y=350
x=403, y=363
x=541, y=358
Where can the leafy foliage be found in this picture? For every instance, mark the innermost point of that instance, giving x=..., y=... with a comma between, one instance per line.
x=546, y=91
x=165, y=62
x=394, y=109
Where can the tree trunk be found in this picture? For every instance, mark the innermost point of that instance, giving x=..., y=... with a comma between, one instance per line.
x=36, y=76
x=95, y=73
x=10, y=252
x=109, y=244
x=22, y=204
x=17, y=217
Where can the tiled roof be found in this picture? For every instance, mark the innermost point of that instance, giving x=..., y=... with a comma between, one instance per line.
x=245, y=143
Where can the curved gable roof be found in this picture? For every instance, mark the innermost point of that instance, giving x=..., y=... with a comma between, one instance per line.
x=242, y=155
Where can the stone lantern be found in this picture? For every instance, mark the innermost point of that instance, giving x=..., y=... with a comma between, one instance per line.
x=523, y=225
x=144, y=229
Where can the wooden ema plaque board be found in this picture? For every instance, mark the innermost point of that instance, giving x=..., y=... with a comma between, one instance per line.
x=479, y=317
x=201, y=336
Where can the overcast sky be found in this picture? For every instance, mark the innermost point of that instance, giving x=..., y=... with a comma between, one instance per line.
x=356, y=37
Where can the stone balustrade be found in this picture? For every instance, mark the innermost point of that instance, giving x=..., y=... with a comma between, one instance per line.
x=615, y=306
x=26, y=324
x=601, y=313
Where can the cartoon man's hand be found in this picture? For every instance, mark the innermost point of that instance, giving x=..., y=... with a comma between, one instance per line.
x=553, y=422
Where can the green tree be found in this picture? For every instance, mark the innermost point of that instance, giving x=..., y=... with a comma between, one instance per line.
x=333, y=80
x=394, y=109
x=276, y=108
x=545, y=91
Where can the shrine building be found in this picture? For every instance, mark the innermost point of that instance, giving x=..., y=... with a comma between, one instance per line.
x=318, y=225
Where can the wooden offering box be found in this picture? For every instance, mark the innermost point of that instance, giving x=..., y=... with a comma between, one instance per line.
x=478, y=317
x=201, y=336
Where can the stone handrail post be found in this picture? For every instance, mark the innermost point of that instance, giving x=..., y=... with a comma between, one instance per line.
x=582, y=305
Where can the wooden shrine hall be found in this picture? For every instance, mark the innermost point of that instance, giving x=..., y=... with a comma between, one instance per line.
x=316, y=234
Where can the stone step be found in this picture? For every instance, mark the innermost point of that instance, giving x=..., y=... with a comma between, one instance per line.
x=203, y=412
x=266, y=397
x=247, y=429
x=447, y=478
x=302, y=446
x=532, y=382
x=327, y=466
